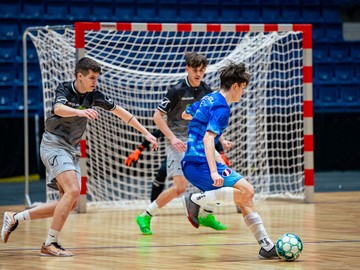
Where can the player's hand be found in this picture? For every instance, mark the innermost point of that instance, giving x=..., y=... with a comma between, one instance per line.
x=88, y=113
x=152, y=139
x=226, y=144
x=225, y=159
x=218, y=180
x=178, y=145
x=133, y=157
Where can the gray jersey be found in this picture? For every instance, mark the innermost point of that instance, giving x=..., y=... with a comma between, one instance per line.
x=176, y=100
x=71, y=129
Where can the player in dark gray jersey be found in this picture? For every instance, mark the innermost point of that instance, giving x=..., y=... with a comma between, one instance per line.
x=178, y=97
x=73, y=107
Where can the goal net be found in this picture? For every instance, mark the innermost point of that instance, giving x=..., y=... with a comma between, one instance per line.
x=140, y=61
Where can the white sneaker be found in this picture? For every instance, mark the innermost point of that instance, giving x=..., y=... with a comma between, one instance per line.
x=9, y=225
x=54, y=249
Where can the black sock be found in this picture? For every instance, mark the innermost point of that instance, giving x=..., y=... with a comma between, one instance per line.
x=156, y=189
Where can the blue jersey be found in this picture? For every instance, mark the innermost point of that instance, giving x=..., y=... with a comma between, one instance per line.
x=211, y=113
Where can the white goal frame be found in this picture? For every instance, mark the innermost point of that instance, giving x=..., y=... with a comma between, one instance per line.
x=306, y=30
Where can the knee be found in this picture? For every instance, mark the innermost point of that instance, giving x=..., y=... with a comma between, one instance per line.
x=73, y=193
x=248, y=190
x=251, y=192
x=181, y=189
x=244, y=195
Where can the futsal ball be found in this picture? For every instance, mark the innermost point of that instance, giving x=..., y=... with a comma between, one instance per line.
x=289, y=247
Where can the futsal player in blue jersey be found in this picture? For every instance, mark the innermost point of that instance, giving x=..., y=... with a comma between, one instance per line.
x=209, y=118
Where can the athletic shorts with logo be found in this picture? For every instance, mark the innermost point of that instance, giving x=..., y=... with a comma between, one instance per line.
x=58, y=156
x=198, y=174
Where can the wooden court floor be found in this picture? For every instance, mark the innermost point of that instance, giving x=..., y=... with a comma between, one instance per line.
x=110, y=239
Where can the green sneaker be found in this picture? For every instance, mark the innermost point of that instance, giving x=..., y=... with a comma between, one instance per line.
x=211, y=222
x=144, y=224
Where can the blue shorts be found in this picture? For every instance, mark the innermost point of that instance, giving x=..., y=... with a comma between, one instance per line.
x=198, y=174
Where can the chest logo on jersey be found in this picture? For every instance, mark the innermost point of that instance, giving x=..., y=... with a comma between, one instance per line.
x=187, y=98
x=73, y=105
x=226, y=172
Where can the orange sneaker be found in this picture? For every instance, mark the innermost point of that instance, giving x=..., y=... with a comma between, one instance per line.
x=54, y=249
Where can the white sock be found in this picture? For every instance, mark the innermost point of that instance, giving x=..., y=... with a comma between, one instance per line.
x=256, y=226
x=24, y=215
x=151, y=210
x=208, y=209
x=53, y=236
x=225, y=194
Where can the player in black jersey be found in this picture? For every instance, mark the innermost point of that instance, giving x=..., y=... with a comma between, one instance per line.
x=59, y=150
x=178, y=97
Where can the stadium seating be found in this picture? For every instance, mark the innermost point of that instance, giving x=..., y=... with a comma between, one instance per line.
x=336, y=63
x=7, y=73
x=331, y=14
x=10, y=9
x=271, y=13
x=323, y=73
x=6, y=98
x=79, y=11
x=124, y=13
x=311, y=14
x=339, y=52
x=333, y=32
x=328, y=95
x=289, y=12
x=350, y=95
x=8, y=51
x=344, y=73
x=9, y=30
x=355, y=51
x=56, y=10
x=321, y=53
x=33, y=9
x=103, y=12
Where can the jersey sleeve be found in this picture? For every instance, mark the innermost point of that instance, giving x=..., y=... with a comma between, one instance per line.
x=61, y=95
x=218, y=118
x=103, y=101
x=169, y=101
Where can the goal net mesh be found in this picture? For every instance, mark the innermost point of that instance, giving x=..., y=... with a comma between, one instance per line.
x=266, y=126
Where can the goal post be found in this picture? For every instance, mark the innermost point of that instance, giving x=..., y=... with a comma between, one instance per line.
x=271, y=127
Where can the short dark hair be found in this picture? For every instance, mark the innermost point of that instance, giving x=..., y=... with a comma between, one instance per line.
x=233, y=73
x=85, y=64
x=195, y=60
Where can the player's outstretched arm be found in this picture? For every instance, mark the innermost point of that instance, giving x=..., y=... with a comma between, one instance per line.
x=132, y=121
x=161, y=123
x=66, y=111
